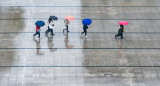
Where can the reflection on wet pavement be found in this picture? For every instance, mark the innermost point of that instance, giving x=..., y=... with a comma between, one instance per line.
x=69, y=59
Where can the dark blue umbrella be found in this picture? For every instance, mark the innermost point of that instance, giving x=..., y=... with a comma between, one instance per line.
x=54, y=17
x=40, y=23
x=87, y=21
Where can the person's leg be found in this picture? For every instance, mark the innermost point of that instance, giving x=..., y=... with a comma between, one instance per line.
x=47, y=30
x=122, y=36
x=51, y=31
x=35, y=34
x=116, y=35
x=38, y=34
x=67, y=29
x=85, y=32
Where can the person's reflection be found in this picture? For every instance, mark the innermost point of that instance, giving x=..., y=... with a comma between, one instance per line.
x=38, y=47
x=85, y=43
x=120, y=44
x=66, y=40
x=86, y=61
x=121, y=52
x=50, y=42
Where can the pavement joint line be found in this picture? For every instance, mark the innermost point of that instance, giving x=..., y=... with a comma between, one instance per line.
x=75, y=19
x=88, y=32
x=84, y=48
x=76, y=6
x=85, y=66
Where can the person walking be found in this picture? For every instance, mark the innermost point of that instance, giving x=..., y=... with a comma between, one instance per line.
x=85, y=27
x=120, y=32
x=49, y=20
x=66, y=21
x=50, y=27
x=37, y=32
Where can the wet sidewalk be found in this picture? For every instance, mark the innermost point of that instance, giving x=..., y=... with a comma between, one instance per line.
x=72, y=60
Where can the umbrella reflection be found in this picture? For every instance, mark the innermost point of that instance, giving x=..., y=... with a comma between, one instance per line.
x=66, y=40
x=50, y=42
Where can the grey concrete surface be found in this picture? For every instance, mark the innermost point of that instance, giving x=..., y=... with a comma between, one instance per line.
x=72, y=60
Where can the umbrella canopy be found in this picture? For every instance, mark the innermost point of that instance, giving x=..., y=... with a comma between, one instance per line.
x=54, y=17
x=123, y=23
x=40, y=23
x=87, y=21
x=69, y=18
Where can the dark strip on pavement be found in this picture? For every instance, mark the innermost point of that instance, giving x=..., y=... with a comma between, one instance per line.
x=84, y=48
x=88, y=32
x=75, y=6
x=84, y=66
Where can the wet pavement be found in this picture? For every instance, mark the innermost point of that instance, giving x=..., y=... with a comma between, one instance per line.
x=72, y=60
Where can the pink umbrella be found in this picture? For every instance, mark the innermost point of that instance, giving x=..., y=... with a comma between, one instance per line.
x=123, y=23
x=69, y=17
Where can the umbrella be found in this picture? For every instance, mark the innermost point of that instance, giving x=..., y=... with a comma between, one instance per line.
x=40, y=23
x=69, y=17
x=87, y=21
x=123, y=23
x=54, y=17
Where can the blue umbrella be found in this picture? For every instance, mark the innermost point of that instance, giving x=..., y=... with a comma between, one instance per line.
x=40, y=23
x=87, y=21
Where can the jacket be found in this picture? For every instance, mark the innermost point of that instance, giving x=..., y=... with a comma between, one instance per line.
x=120, y=32
x=51, y=24
x=37, y=29
x=66, y=22
x=85, y=27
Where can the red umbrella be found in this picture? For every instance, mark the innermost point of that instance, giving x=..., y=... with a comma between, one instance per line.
x=69, y=17
x=123, y=23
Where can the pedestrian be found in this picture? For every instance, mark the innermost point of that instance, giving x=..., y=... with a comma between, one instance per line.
x=85, y=27
x=66, y=21
x=37, y=32
x=50, y=27
x=49, y=20
x=120, y=32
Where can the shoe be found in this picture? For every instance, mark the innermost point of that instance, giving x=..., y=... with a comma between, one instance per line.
x=53, y=34
x=121, y=37
x=115, y=36
x=39, y=37
x=86, y=36
x=33, y=36
x=63, y=30
x=67, y=31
